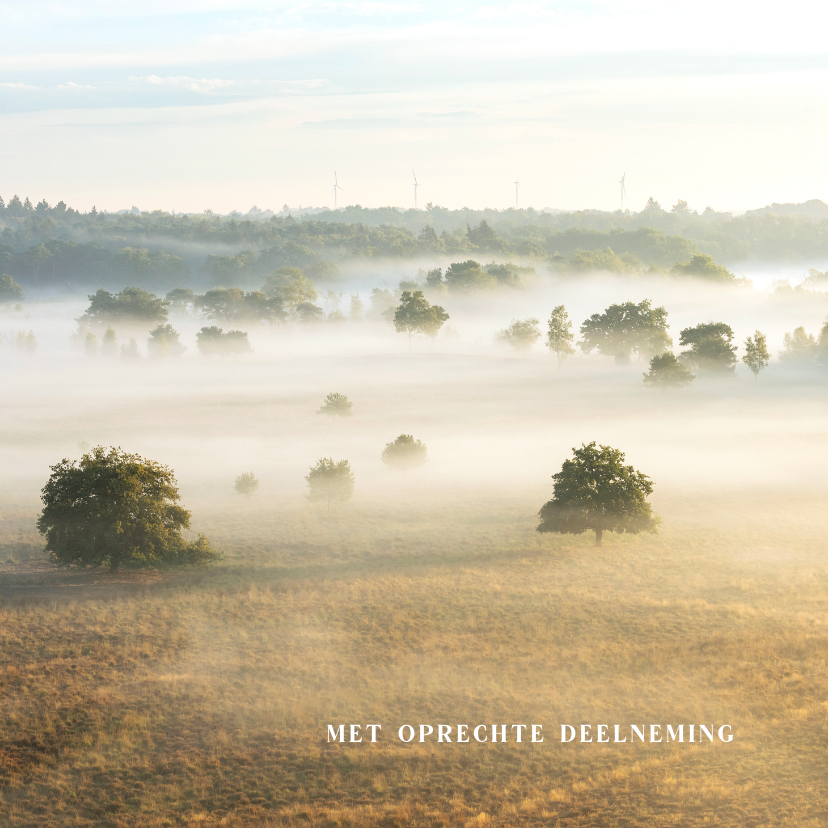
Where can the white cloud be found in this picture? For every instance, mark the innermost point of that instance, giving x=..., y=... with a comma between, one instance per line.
x=204, y=86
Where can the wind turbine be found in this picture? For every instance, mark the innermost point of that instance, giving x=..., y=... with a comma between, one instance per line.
x=415, y=188
x=623, y=191
x=517, y=187
x=335, y=188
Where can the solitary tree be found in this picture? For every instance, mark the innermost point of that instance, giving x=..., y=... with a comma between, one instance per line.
x=627, y=328
x=357, y=308
x=404, y=453
x=559, y=338
x=710, y=347
x=596, y=491
x=666, y=371
x=756, y=353
x=246, y=484
x=521, y=334
x=130, y=350
x=336, y=405
x=416, y=315
x=117, y=509
x=331, y=481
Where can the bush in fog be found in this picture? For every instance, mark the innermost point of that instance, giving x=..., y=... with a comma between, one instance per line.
x=625, y=329
x=330, y=481
x=336, y=405
x=336, y=318
x=800, y=348
x=711, y=347
x=703, y=267
x=163, y=342
x=756, y=355
x=131, y=304
x=595, y=491
x=415, y=315
x=666, y=371
x=10, y=291
x=26, y=342
x=404, y=453
x=130, y=350
x=246, y=484
x=109, y=347
x=214, y=341
x=468, y=277
x=117, y=509
x=559, y=337
x=90, y=345
x=521, y=334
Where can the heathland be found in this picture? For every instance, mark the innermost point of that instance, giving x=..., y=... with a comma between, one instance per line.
x=202, y=697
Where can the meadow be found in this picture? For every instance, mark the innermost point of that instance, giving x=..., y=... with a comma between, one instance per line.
x=202, y=697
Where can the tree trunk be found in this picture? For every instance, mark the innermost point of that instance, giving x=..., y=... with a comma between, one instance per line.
x=598, y=533
x=113, y=566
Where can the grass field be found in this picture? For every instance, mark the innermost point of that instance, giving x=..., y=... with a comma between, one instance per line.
x=202, y=698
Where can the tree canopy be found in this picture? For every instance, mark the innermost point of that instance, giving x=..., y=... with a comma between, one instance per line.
x=666, y=371
x=756, y=355
x=117, y=509
x=559, y=337
x=710, y=348
x=596, y=491
x=521, y=334
x=132, y=304
x=336, y=405
x=415, y=315
x=627, y=328
x=404, y=453
x=246, y=484
x=213, y=341
x=331, y=481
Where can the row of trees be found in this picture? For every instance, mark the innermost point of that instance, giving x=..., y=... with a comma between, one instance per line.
x=627, y=329
x=116, y=509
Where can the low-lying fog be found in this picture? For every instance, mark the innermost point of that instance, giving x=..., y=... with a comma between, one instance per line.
x=494, y=422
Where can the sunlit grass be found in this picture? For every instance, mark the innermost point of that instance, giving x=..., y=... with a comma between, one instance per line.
x=202, y=698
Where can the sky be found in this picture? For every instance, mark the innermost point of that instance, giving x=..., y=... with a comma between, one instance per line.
x=184, y=105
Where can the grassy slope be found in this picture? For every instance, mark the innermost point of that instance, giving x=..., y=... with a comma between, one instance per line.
x=203, y=699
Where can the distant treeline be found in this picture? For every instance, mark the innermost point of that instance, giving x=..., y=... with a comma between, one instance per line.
x=58, y=246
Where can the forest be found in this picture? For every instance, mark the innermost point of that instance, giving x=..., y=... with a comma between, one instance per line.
x=56, y=248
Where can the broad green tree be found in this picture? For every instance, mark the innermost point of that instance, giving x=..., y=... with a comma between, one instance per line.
x=559, y=337
x=404, y=453
x=331, y=481
x=710, y=347
x=756, y=355
x=521, y=334
x=666, y=371
x=416, y=315
x=596, y=491
x=117, y=509
x=625, y=329
x=336, y=405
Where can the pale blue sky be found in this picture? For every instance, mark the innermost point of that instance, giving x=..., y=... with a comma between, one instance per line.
x=185, y=105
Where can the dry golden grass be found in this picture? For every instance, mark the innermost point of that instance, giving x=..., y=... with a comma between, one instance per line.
x=201, y=698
